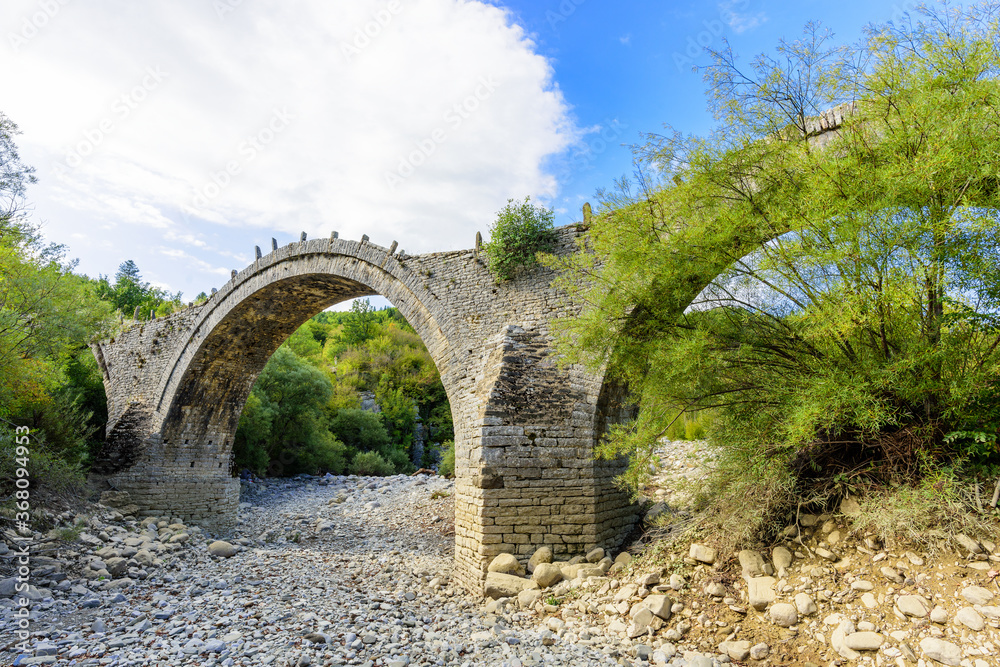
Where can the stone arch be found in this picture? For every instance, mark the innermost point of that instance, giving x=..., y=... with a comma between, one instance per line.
x=190, y=419
x=525, y=427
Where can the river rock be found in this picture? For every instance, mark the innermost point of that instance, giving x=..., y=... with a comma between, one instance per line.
x=970, y=618
x=736, y=650
x=222, y=549
x=783, y=614
x=760, y=591
x=505, y=564
x=500, y=585
x=977, y=595
x=864, y=641
x=781, y=557
x=944, y=652
x=805, y=604
x=913, y=605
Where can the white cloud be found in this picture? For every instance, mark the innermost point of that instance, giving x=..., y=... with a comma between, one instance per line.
x=284, y=118
x=738, y=20
x=192, y=261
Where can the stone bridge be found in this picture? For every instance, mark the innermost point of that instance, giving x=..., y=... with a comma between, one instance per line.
x=525, y=429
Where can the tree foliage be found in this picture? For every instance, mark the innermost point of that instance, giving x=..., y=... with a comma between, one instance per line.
x=360, y=324
x=282, y=430
x=308, y=396
x=834, y=300
x=130, y=294
x=48, y=379
x=520, y=232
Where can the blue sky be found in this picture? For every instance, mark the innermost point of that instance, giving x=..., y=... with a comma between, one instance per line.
x=181, y=133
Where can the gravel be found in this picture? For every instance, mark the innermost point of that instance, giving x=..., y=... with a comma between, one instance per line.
x=331, y=571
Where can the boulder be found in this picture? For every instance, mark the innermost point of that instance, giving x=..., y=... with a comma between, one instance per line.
x=505, y=564
x=500, y=585
x=541, y=555
x=547, y=574
x=222, y=549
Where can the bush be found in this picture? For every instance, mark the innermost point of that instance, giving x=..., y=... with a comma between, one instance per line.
x=369, y=464
x=324, y=453
x=360, y=429
x=447, y=467
x=51, y=477
x=521, y=230
x=398, y=459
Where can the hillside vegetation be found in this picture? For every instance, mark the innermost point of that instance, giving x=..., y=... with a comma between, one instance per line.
x=304, y=412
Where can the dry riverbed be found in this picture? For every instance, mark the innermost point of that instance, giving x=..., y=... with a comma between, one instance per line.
x=357, y=571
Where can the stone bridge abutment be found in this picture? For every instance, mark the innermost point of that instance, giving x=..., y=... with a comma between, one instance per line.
x=525, y=428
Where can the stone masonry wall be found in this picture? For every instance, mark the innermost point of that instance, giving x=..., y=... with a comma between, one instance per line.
x=525, y=428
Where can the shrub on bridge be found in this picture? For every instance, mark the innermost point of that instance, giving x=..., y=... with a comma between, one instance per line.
x=520, y=232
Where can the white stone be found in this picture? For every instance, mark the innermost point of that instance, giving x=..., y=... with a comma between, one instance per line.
x=702, y=553
x=970, y=618
x=783, y=614
x=505, y=564
x=760, y=591
x=944, y=652
x=913, y=605
x=864, y=641
x=977, y=595
x=805, y=604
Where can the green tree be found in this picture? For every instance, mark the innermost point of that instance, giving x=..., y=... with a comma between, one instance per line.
x=520, y=232
x=834, y=301
x=285, y=417
x=129, y=292
x=360, y=430
x=48, y=314
x=361, y=323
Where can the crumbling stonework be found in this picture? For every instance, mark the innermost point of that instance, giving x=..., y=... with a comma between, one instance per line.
x=525, y=429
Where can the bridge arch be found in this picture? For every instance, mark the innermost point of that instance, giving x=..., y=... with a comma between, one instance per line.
x=525, y=428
